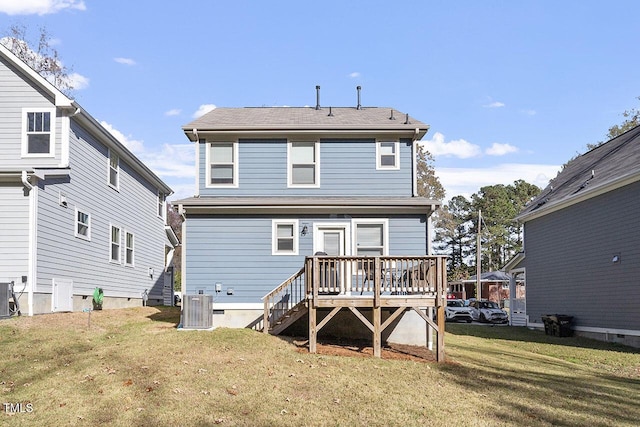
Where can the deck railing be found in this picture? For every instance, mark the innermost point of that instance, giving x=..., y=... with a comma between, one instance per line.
x=283, y=298
x=367, y=276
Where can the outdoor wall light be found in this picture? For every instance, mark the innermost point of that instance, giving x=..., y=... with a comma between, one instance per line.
x=305, y=230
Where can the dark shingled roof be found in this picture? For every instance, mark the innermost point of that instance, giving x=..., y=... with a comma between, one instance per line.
x=606, y=167
x=305, y=118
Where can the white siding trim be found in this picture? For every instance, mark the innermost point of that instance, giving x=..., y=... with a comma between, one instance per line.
x=197, y=168
x=183, y=255
x=64, y=141
x=238, y=306
x=32, y=278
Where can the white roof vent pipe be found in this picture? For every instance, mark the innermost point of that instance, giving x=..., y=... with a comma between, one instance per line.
x=359, y=106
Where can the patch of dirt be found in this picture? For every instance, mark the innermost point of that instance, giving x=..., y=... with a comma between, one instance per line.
x=356, y=348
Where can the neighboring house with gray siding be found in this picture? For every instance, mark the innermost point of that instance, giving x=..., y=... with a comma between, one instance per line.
x=278, y=184
x=582, y=243
x=81, y=211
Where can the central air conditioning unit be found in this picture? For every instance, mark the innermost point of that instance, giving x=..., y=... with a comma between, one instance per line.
x=5, y=293
x=197, y=312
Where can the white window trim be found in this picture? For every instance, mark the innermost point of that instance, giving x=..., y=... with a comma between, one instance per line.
x=379, y=165
x=162, y=198
x=52, y=131
x=236, y=165
x=117, y=186
x=290, y=184
x=75, y=223
x=385, y=233
x=274, y=236
x=119, y=260
x=126, y=248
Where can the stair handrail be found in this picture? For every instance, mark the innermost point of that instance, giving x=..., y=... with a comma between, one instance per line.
x=296, y=294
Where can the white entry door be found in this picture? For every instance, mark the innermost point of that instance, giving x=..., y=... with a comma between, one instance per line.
x=334, y=240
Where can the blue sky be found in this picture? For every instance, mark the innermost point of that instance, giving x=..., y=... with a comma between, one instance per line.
x=511, y=89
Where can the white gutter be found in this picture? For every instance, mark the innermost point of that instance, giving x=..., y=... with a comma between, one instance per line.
x=31, y=270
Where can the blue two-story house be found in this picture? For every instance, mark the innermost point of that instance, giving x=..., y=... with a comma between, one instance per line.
x=276, y=185
x=80, y=210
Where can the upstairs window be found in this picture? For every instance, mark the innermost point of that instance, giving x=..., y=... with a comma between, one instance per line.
x=388, y=155
x=128, y=249
x=285, y=237
x=304, y=169
x=161, y=204
x=38, y=132
x=83, y=225
x=115, y=245
x=114, y=170
x=222, y=161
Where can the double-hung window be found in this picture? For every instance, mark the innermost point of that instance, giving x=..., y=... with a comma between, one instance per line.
x=114, y=170
x=303, y=164
x=83, y=225
x=128, y=249
x=38, y=132
x=161, y=204
x=371, y=237
x=285, y=237
x=387, y=154
x=222, y=161
x=114, y=250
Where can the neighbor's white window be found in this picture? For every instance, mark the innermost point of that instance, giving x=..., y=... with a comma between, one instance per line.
x=83, y=225
x=371, y=237
x=285, y=237
x=222, y=161
x=387, y=154
x=114, y=170
x=38, y=132
x=115, y=244
x=161, y=204
x=128, y=249
x=303, y=164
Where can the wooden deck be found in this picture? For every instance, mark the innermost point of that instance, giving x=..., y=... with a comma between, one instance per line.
x=355, y=283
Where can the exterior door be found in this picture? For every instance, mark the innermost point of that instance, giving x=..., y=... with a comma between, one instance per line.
x=333, y=239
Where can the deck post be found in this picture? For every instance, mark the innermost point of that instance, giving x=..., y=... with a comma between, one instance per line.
x=377, y=332
x=430, y=329
x=440, y=303
x=313, y=278
x=265, y=321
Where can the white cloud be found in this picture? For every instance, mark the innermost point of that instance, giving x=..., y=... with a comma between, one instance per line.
x=39, y=7
x=497, y=149
x=173, y=112
x=78, y=81
x=529, y=112
x=203, y=109
x=494, y=104
x=467, y=181
x=134, y=145
x=354, y=75
x=125, y=61
x=457, y=148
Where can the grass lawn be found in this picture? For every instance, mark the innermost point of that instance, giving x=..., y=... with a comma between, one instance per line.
x=133, y=368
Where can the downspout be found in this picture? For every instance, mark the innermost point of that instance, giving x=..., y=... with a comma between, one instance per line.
x=31, y=244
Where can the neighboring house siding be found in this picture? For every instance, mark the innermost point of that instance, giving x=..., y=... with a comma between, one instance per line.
x=347, y=168
x=17, y=94
x=87, y=262
x=569, y=264
x=237, y=252
x=14, y=238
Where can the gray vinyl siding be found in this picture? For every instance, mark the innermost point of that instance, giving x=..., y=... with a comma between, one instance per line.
x=347, y=168
x=133, y=208
x=18, y=93
x=569, y=264
x=14, y=238
x=236, y=252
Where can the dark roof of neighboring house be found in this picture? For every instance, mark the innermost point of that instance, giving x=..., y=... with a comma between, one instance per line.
x=609, y=166
x=306, y=118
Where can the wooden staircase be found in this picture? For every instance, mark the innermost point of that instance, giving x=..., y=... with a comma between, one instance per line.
x=289, y=318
